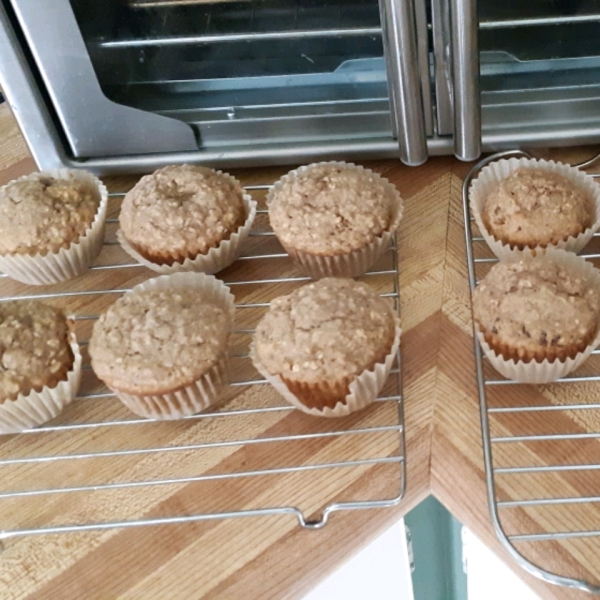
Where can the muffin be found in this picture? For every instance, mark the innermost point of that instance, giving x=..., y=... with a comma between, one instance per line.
x=334, y=219
x=533, y=207
x=522, y=203
x=185, y=217
x=51, y=225
x=539, y=310
x=327, y=347
x=41, y=364
x=163, y=347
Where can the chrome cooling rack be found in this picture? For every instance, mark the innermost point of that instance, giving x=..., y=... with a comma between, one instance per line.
x=98, y=466
x=543, y=426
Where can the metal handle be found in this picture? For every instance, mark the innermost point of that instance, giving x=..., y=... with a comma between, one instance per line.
x=400, y=45
x=465, y=67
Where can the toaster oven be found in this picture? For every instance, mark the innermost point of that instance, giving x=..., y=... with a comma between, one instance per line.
x=130, y=85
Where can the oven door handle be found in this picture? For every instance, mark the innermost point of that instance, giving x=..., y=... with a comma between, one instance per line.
x=465, y=77
x=406, y=102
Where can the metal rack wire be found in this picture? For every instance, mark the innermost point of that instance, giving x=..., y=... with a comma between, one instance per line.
x=299, y=28
x=509, y=485
x=96, y=462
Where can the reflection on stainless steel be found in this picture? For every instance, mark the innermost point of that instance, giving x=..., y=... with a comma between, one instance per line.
x=442, y=54
x=539, y=21
x=241, y=37
x=168, y=3
x=398, y=23
x=389, y=422
x=520, y=487
x=424, y=69
x=465, y=68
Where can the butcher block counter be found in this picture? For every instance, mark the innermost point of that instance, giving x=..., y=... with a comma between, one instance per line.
x=272, y=556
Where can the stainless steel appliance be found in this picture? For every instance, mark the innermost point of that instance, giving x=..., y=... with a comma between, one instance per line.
x=128, y=85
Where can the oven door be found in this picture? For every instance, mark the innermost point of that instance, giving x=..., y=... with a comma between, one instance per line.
x=538, y=78
x=246, y=82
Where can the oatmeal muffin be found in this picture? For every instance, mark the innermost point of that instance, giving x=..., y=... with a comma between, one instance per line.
x=334, y=219
x=536, y=309
x=51, y=225
x=180, y=212
x=41, y=214
x=41, y=364
x=34, y=347
x=163, y=348
x=323, y=336
x=534, y=207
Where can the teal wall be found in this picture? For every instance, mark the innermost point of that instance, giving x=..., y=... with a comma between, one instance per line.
x=437, y=549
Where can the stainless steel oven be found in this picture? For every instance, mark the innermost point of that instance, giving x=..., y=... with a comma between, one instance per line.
x=128, y=85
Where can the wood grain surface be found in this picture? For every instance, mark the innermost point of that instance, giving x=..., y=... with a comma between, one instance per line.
x=272, y=557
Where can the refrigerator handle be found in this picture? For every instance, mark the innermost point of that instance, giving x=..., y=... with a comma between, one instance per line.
x=400, y=46
x=465, y=71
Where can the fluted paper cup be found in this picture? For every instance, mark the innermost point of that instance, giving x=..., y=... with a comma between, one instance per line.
x=498, y=171
x=53, y=267
x=363, y=389
x=36, y=408
x=205, y=391
x=545, y=371
x=350, y=264
x=216, y=259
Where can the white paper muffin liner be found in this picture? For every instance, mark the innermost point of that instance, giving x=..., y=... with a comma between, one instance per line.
x=68, y=262
x=37, y=408
x=493, y=174
x=217, y=258
x=363, y=390
x=351, y=264
x=545, y=372
x=205, y=391
x=187, y=401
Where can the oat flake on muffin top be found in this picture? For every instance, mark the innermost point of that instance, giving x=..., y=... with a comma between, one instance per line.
x=325, y=331
x=535, y=303
x=34, y=347
x=330, y=209
x=536, y=207
x=156, y=341
x=182, y=209
x=42, y=214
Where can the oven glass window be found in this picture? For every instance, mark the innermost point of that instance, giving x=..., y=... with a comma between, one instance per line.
x=240, y=72
x=540, y=67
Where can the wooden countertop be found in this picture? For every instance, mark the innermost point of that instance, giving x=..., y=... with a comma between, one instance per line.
x=271, y=557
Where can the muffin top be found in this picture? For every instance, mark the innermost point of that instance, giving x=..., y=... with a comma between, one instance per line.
x=34, y=347
x=536, y=303
x=42, y=214
x=330, y=209
x=156, y=341
x=535, y=207
x=182, y=209
x=327, y=330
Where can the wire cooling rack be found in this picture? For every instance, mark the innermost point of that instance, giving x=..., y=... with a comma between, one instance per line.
x=534, y=502
x=98, y=466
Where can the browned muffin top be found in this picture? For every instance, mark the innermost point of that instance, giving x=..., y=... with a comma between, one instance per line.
x=537, y=207
x=182, y=209
x=34, y=347
x=330, y=209
x=325, y=331
x=42, y=214
x=534, y=304
x=156, y=341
